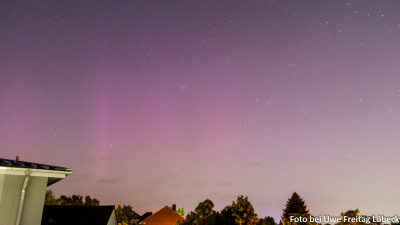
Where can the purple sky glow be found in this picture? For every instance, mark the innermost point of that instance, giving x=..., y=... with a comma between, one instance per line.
x=158, y=102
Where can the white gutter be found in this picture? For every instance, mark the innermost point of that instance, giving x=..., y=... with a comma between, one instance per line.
x=34, y=172
x=22, y=197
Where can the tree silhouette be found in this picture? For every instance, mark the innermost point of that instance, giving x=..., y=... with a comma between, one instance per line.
x=204, y=214
x=91, y=202
x=227, y=213
x=126, y=215
x=352, y=214
x=50, y=199
x=181, y=211
x=240, y=212
x=295, y=205
x=267, y=221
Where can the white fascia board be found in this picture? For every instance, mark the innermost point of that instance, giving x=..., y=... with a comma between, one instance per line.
x=34, y=172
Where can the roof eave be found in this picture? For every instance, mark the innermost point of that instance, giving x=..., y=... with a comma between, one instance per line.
x=35, y=172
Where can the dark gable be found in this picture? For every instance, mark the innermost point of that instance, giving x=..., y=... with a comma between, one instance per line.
x=76, y=215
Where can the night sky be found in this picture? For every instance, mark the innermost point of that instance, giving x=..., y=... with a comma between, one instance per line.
x=152, y=103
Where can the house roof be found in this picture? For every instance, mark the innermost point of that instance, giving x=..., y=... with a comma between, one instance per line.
x=77, y=215
x=22, y=164
x=165, y=216
x=16, y=167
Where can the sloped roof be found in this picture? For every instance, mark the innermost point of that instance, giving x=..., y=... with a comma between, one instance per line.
x=21, y=166
x=76, y=215
x=30, y=165
x=165, y=216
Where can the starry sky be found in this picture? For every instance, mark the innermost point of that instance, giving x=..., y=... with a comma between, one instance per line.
x=152, y=103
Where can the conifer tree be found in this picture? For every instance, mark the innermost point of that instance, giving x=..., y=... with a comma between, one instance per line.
x=295, y=205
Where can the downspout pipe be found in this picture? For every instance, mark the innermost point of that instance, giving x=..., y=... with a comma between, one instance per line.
x=22, y=196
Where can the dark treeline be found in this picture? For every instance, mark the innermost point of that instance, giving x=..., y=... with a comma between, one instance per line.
x=240, y=212
x=50, y=199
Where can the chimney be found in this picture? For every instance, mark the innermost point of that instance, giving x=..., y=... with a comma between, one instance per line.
x=174, y=207
x=16, y=160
